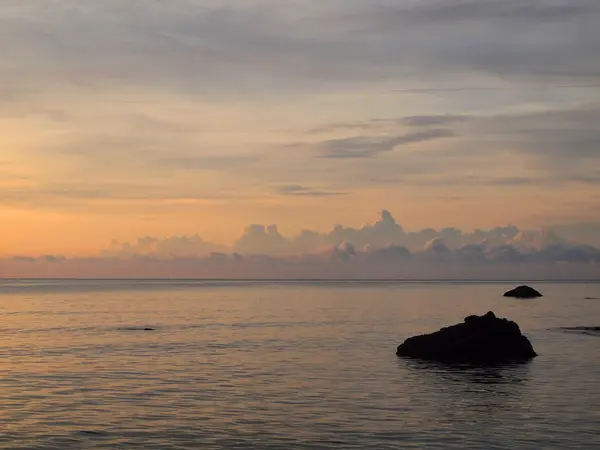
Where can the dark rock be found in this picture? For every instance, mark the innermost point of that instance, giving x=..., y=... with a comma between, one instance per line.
x=479, y=340
x=137, y=329
x=523, y=292
x=592, y=331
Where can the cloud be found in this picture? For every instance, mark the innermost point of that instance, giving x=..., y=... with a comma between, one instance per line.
x=339, y=262
x=472, y=254
x=382, y=232
x=505, y=254
x=537, y=239
x=387, y=233
x=483, y=35
x=190, y=102
x=295, y=189
x=86, y=195
x=580, y=233
x=500, y=10
x=367, y=147
x=343, y=252
x=229, y=48
x=43, y=258
x=206, y=163
x=171, y=247
x=138, y=109
x=562, y=135
x=568, y=253
x=260, y=239
x=382, y=249
x=551, y=147
x=392, y=253
x=53, y=258
x=383, y=237
x=23, y=259
x=436, y=247
x=420, y=121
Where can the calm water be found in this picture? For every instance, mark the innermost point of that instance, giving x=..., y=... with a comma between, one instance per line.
x=285, y=366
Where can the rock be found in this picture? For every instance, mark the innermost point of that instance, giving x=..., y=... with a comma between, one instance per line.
x=523, y=292
x=592, y=331
x=137, y=329
x=479, y=340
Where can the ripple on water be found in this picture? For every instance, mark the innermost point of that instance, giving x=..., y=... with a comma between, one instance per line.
x=286, y=367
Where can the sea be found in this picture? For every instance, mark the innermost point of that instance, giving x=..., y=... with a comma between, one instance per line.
x=213, y=364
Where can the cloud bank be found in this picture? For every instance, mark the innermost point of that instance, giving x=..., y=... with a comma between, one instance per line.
x=378, y=250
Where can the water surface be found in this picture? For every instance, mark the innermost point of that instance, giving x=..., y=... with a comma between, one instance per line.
x=267, y=365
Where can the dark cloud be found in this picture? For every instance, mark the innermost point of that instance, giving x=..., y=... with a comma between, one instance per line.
x=343, y=252
x=505, y=254
x=52, y=258
x=342, y=261
x=472, y=254
x=390, y=253
x=23, y=258
x=374, y=124
x=367, y=147
x=558, y=146
x=436, y=248
x=568, y=253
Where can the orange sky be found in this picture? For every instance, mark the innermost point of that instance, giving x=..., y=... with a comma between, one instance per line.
x=246, y=117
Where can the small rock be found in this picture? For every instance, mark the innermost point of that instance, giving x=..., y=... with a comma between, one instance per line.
x=523, y=292
x=592, y=331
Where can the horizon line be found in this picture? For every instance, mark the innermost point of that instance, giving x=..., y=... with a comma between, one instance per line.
x=493, y=88
x=315, y=280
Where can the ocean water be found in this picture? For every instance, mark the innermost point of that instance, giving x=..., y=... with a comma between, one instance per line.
x=288, y=365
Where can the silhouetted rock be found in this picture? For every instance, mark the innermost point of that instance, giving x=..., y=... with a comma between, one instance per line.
x=137, y=329
x=592, y=331
x=523, y=292
x=479, y=340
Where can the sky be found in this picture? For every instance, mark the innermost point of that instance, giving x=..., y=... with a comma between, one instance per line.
x=201, y=121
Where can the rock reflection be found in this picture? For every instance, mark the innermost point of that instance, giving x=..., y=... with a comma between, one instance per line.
x=511, y=374
x=482, y=396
